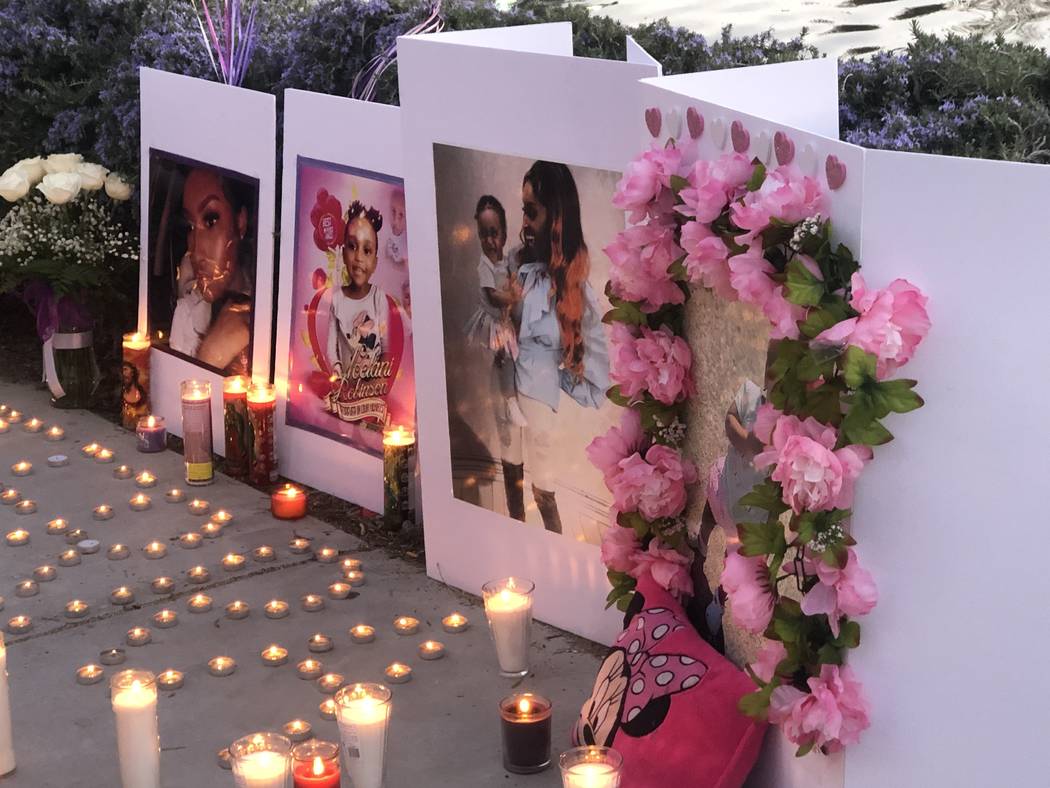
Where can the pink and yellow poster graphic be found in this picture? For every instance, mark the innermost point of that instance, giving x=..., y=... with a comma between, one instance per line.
x=350, y=370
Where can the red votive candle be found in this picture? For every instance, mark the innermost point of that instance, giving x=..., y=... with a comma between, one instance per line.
x=288, y=503
x=235, y=424
x=526, y=726
x=262, y=452
x=315, y=764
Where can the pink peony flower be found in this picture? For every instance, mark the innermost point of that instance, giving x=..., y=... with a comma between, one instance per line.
x=814, y=475
x=750, y=275
x=657, y=361
x=786, y=195
x=620, y=548
x=707, y=259
x=784, y=316
x=654, y=485
x=891, y=325
x=712, y=185
x=746, y=583
x=639, y=259
x=831, y=715
x=641, y=190
x=771, y=655
x=849, y=591
x=606, y=451
x=766, y=418
x=668, y=567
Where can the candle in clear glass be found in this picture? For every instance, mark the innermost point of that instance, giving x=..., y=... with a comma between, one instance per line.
x=315, y=764
x=398, y=449
x=262, y=760
x=151, y=433
x=525, y=720
x=508, y=606
x=262, y=456
x=590, y=767
x=134, y=697
x=288, y=503
x=235, y=424
x=363, y=712
x=7, y=752
x=135, y=383
x=196, y=431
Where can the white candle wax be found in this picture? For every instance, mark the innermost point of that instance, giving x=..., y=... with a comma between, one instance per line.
x=262, y=769
x=7, y=750
x=510, y=613
x=362, y=731
x=590, y=775
x=138, y=742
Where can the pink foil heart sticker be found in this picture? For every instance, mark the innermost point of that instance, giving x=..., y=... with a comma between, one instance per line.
x=695, y=122
x=653, y=120
x=836, y=172
x=784, y=148
x=740, y=136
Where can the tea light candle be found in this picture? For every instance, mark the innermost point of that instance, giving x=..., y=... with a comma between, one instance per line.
x=123, y=472
x=196, y=432
x=22, y=468
x=138, y=636
x=316, y=765
x=27, y=588
x=89, y=546
x=309, y=668
x=338, y=590
x=298, y=546
x=155, y=550
x=455, y=622
x=33, y=425
x=237, y=609
x=113, y=656
x=330, y=683
x=355, y=578
x=90, y=674
x=199, y=603
x=198, y=574
x=211, y=530
x=362, y=633
x=311, y=603
x=145, y=480
x=327, y=555
x=90, y=449
x=276, y=608
x=77, y=608
x=319, y=643
x=170, y=679
x=104, y=455
x=508, y=605
x=76, y=535
x=525, y=722
x=406, y=625
x=14, y=416
x=45, y=573
x=431, y=649
x=190, y=540
x=364, y=713
x=288, y=503
x=224, y=758
x=398, y=673
x=16, y=625
x=233, y=562
x=298, y=730
x=57, y=526
x=117, y=552
x=274, y=655
x=152, y=434
x=10, y=496
x=327, y=709
x=140, y=502
x=25, y=507
x=102, y=512
x=165, y=619
x=264, y=554
x=222, y=517
x=18, y=537
x=5, y=425
x=221, y=666
x=122, y=596
x=162, y=585
x=590, y=767
x=69, y=558
x=351, y=565
x=175, y=495
x=198, y=507
x=57, y=461
x=55, y=433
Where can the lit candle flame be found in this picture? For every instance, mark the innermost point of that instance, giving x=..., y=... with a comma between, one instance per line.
x=524, y=706
x=318, y=766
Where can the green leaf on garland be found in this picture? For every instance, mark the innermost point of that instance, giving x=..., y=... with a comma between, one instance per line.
x=805, y=749
x=678, y=183
x=613, y=393
x=849, y=635
x=833, y=310
x=755, y=704
x=765, y=495
x=858, y=367
x=805, y=526
x=761, y=538
x=861, y=426
x=824, y=404
x=624, y=602
x=895, y=396
x=758, y=177
x=635, y=522
x=803, y=288
x=829, y=654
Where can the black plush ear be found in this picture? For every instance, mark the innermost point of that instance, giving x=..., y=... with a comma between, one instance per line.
x=636, y=605
x=648, y=719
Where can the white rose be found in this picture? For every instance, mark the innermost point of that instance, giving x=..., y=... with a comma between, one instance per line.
x=60, y=187
x=62, y=162
x=32, y=168
x=117, y=188
x=14, y=185
x=92, y=176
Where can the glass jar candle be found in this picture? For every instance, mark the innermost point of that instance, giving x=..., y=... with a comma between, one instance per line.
x=262, y=760
x=235, y=424
x=315, y=764
x=525, y=723
x=508, y=607
x=151, y=434
x=262, y=455
x=196, y=432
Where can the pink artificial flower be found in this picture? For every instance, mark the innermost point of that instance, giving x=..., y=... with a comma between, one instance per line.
x=639, y=259
x=784, y=316
x=706, y=259
x=814, y=475
x=786, y=195
x=654, y=485
x=644, y=188
x=766, y=418
x=657, y=361
x=771, y=655
x=606, y=451
x=849, y=591
x=751, y=278
x=620, y=548
x=891, y=325
x=746, y=583
x=668, y=567
x=712, y=184
x=830, y=716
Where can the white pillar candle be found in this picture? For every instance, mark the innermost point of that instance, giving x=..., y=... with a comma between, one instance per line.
x=134, y=694
x=508, y=606
x=363, y=712
x=262, y=760
x=7, y=750
x=590, y=767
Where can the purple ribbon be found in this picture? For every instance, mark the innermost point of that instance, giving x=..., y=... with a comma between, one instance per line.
x=52, y=313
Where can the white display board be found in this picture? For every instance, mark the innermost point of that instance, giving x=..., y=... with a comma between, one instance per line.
x=232, y=130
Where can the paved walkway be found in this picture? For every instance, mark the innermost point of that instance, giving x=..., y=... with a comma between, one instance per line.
x=445, y=724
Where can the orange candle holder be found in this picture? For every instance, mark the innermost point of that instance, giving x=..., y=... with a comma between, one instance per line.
x=134, y=379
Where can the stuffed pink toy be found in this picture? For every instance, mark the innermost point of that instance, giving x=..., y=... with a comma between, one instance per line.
x=667, y=701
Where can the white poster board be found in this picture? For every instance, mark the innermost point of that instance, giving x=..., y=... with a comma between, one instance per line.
x=229, y=130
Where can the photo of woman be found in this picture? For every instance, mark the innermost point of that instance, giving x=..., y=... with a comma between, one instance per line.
x=202, y=262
